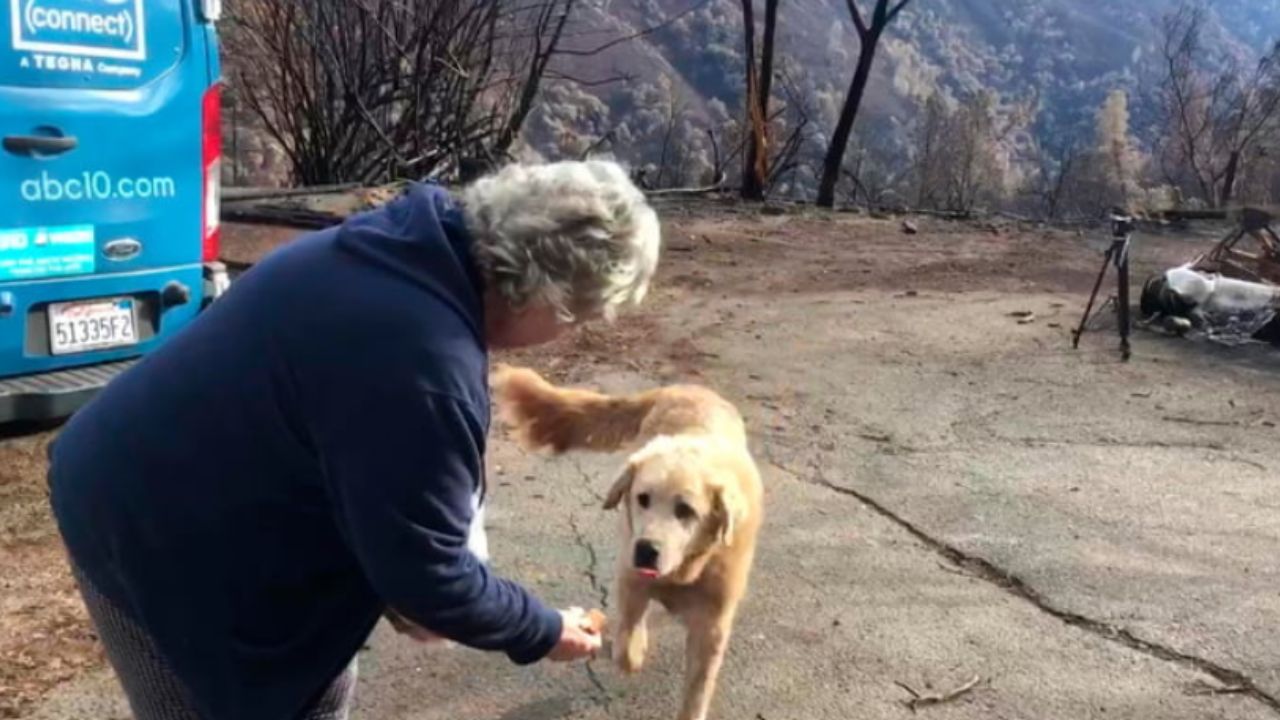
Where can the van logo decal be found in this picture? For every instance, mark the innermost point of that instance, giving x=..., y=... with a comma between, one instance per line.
x=87, y=28
x=33, y=253
x=122, y=249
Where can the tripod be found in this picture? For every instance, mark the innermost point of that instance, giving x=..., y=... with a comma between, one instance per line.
x=1117, y=254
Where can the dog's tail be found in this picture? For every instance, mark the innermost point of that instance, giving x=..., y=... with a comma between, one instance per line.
x=546, y=417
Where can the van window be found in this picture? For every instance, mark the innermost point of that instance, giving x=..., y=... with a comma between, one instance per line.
x=90, y=44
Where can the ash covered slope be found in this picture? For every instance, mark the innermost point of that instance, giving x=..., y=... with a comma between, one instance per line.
x=1068, y=53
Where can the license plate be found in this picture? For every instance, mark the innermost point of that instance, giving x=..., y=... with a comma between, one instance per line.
x=77, y=327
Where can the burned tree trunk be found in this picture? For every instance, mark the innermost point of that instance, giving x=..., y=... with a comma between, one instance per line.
x=766, y=55
x=1229, y=179
x=869, y=35
x=844, y=127
x=752, y=178
x=759, y=79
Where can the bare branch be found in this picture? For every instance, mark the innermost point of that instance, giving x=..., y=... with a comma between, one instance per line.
x=858, y=22
x=369, y=90
x=599, y=143
x=553, y=74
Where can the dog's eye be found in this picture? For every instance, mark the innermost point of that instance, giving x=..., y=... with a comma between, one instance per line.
x=643, y=499
x=685, y=512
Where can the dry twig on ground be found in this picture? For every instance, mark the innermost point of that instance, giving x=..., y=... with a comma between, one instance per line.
x=918, y=701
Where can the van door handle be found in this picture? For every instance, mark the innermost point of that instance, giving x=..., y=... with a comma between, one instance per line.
x=28, y=144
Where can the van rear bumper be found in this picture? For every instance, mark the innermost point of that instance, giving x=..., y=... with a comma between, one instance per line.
x=167, y=300
x=54, y=395
x=41, y=387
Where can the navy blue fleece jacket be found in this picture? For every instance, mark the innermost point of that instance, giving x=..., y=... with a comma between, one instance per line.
x=255, y=492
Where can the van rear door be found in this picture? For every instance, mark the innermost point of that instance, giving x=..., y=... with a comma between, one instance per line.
x=101, y=168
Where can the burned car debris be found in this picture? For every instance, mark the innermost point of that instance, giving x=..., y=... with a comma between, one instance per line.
x=1230, y=294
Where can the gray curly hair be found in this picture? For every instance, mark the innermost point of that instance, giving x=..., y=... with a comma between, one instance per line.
x=577, y=235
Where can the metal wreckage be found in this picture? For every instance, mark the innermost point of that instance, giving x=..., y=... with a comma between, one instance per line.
x=1230, y=294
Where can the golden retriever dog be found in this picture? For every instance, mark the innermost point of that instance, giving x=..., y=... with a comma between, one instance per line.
x=691, y=500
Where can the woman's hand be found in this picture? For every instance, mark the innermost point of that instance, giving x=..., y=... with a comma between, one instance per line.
x=578, y=640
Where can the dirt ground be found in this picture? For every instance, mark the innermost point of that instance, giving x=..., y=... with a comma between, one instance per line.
x=927, y=380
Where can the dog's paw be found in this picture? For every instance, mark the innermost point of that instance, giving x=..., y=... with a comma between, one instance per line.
x=629, y=652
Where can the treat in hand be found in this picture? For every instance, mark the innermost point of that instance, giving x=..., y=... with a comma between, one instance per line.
x=589, y=621
x=577, y=641
x=594, y=622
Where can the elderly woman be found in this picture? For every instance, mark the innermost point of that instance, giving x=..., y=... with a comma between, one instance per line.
x=243, y=505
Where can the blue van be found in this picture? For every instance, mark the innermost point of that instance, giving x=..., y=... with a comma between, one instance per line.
x=109, y=190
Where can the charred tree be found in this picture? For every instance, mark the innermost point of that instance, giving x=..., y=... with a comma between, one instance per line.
x=870, y=31
x=759, y=80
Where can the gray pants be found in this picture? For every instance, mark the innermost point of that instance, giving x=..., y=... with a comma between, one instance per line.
x=153, y=690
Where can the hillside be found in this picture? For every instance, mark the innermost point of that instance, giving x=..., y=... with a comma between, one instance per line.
x=686, y=78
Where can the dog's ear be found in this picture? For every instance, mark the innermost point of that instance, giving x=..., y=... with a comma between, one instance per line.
x=621, y=486
x=730, y=510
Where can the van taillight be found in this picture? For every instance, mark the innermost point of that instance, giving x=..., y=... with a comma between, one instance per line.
x=211, y=165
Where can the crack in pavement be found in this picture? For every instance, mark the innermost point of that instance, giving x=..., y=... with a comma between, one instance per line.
x=1006, y=580
x=602, y=693
x=593, y=563
x=890, y=445
x=602, y=591
x=587, y=480
x=1107, y=442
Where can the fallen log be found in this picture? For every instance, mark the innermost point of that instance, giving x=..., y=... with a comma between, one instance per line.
x=240, y=194
x=716, y=186
x=296, y=217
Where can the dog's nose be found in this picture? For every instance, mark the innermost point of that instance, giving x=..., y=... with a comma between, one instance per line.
x=646, y=555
